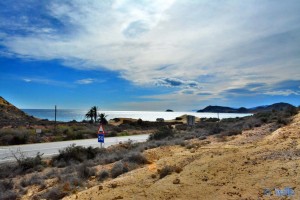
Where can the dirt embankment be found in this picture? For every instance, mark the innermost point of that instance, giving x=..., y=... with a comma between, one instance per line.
x=249, y=166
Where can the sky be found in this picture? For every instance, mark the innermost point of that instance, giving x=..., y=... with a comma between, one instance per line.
x=149, y=54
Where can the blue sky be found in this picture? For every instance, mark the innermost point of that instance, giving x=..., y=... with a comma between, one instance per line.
x=149, y=54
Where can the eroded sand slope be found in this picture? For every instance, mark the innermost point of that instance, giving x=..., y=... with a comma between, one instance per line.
x=242, y=167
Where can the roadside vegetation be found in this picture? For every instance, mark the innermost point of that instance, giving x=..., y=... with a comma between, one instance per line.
x=76, y=167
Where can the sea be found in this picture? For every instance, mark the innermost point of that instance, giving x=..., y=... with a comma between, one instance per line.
x=66, y=115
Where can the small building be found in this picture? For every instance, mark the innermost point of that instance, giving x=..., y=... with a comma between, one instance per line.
x=190, y=120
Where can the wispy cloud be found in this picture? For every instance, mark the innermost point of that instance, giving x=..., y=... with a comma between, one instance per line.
x=282, y=93
x=85, y=81
x=198, y=47
x=46, y=81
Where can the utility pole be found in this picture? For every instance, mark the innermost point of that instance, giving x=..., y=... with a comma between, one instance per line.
x=55, y=114
x=55, y=110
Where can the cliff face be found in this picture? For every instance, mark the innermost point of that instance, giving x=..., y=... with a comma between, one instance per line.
x=11, y=115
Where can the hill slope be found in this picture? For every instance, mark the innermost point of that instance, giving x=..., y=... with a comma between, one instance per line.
x=11, y=115
x=248, y=166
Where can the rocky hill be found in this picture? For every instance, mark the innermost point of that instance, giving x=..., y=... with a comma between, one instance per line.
x=10, y=115
x=223, y=109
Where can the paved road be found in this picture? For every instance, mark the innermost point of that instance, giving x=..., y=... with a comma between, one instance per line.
x=51, y=148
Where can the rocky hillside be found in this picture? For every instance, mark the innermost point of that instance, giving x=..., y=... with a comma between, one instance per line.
x=10, y=115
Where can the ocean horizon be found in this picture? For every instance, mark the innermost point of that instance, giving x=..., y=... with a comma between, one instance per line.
x=66, y=115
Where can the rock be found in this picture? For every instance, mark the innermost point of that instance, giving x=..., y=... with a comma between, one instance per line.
x=176, y=181
x=118, y=197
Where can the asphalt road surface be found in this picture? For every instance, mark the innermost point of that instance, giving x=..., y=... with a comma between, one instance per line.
x=52, y=148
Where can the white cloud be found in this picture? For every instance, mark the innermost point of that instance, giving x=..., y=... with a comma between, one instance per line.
x=237, y=42
x=46, y=81
x=85, y=81
x=282, y=93
x=27, y=80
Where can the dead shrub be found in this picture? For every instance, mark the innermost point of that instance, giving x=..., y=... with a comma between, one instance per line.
x=53, y=194
x=103, y=175
x=85, y=172
x=118, y=169
x=165, y=171
x=137, y=158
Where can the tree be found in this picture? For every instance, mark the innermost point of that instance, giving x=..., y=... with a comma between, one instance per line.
x=95, y=112
x=92, y=114
x=102, y=118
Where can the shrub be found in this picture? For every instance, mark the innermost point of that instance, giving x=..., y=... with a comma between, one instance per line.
x=33, y=180
x=291, y=111
x=8, y=195
x=188, y=137
x=202, y=137
x=19, y=139
x=51, y=174
x=283, y=121
x=232, y=132
x=26, y=163
x=162, y=133
x=137, y=158
x=7, y=170
x=53, y=194
x=180, y=142
x=76, y=153
x=6, y=185
x=118, y=169
x=70, y=181
x=85, y=172
x=103, y=175
x=216, y=128
x=165, y=171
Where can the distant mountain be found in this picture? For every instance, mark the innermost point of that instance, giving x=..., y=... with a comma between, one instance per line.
x=223, y=109
x=275, y=106
x=11, y=115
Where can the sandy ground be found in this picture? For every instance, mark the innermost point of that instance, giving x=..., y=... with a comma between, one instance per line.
x=248, y=166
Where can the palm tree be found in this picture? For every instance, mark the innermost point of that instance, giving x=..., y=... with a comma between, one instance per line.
x=90, y=115
x=102, y=118
x=95, y=112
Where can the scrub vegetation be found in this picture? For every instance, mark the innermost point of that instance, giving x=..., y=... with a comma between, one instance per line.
x=77, y=167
